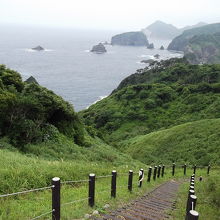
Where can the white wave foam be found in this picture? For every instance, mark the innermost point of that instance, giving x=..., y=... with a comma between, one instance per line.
x=33, y=51
x=87, y=51
x=99, y=99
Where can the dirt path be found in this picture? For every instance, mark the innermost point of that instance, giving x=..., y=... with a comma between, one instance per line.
x=152, y=206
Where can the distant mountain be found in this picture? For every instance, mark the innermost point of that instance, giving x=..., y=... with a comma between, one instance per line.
x=200, y=24
x=162, y=30
x=137, y=38
x=200, y=45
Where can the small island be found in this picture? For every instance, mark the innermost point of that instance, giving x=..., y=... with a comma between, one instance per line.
x=162, y=47
x=137, y=38
x=38, y=48
x=99, y=48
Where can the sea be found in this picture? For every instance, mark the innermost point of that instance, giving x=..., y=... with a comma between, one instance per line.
x=67, y=66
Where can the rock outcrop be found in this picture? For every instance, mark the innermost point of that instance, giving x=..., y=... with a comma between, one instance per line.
x=130, y=39
x=150, y=46
x=157, y=56
x=149, y=61
x=31, y=79
x=99, y=48
x=38, y=48
x=162, y=47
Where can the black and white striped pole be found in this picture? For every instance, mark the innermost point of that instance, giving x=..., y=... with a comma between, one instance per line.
x=141, y=177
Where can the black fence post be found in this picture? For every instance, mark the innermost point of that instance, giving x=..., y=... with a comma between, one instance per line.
x=158, y=173
x=173, y=169
x=184, y=169
x=56, y=198
x=191, y=205
x=193, y=215
x=113, y=184
x=130, y=180
x=163, y=168
x=208, y=170
x=149, y=174
x=141, y=175
x=194, y=169
x=91, y=189
x=155, y=173
x=192, y=178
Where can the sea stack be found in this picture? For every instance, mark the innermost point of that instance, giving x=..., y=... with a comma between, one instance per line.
x=150, y=46
x=157, y=56
x=38, y=48
x=100, y=48
x=162, y=47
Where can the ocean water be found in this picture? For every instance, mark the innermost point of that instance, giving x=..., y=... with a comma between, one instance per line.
x=66, y=66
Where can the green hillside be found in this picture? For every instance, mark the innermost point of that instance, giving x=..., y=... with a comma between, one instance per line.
x=173, y=95
x=194, y=142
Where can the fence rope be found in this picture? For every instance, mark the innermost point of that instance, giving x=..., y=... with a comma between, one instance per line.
x=75, y=201
x=98, y=177
x=27, y=191
x=46, y=213
x=74, y=181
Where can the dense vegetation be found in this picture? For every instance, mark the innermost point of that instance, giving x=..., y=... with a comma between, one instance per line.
x=30, y=113
x=170, y=93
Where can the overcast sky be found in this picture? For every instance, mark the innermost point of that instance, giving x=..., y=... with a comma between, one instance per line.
x=108, y=14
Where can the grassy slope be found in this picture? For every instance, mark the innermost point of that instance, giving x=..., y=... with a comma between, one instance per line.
x=194, y=142
x=64, y=159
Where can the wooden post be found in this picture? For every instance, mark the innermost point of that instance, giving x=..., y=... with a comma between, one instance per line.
x=91, y=189
x=173, y=169
x=184, y=169
x=194, y=169
x=113, y=184
x=208, y=170
x=193, y=215
x=163, y=168
x=149, y=174
x=158, y=173
x=130, y=180
x=155, y=173
x=191, y=205
x=56, y=198
x=141, y=175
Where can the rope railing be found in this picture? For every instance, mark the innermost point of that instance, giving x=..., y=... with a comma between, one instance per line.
x=42, y=215
x=74, y=181
x=153, y=173
x=99, y=177
x=26, y=191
